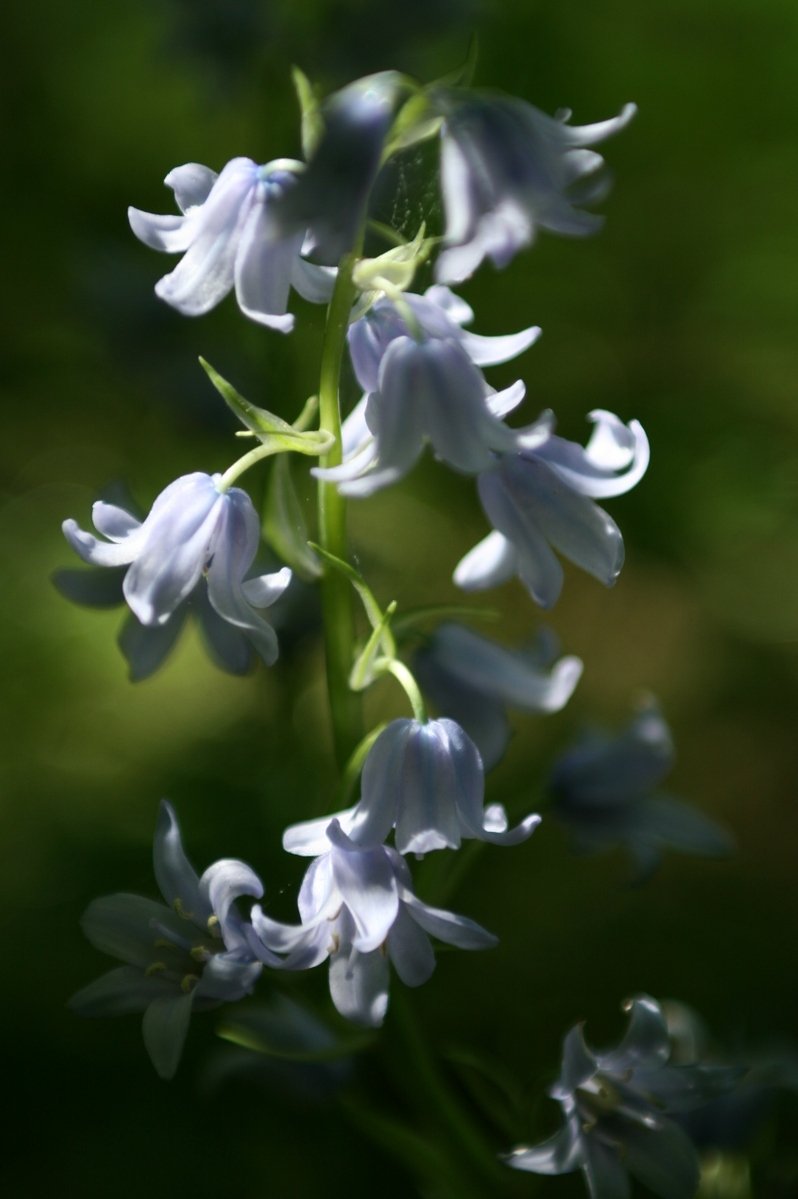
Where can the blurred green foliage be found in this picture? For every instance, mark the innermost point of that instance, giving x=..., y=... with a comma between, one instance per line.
x=681, y=313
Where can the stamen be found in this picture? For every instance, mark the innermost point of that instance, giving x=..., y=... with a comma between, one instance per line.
x=155, y=968
x=188, y=982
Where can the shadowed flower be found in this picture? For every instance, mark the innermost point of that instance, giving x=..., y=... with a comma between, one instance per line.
x=419, y=370
x=508, y=169
x=427, y=782
x=230, y=237
x=193, y=531
x=359, y=910
x=188, y=954
x=474, y=681
x=542, y=497
x=605, y=794
x=619, y=1108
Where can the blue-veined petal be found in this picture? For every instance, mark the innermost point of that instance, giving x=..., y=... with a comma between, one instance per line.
x=489, y=351
x=264, y=263
x=113, y=522
x=605, y=1173
x=410, y=950
x=359, y=985
x=191, y=183
x=118, y=992
x=313, y=282
x=366, y=883
x=122, y=925
x=492, y=561
x=221, y=885
x=612, y=447
x=227, y=978
x=448, y=927
x=560, y=1154
x=172, y=234
x=176, y=877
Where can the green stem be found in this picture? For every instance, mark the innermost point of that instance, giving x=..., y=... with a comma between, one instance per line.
x=408, y=684
x=336, y=596
x=244, y=463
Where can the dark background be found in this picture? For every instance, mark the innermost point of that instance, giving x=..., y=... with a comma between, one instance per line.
x=681, y=313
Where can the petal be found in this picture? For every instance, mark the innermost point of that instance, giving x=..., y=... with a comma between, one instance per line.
x=119, y=992
x=114, y=523
x=93, y=588
x=221, y=885
x=175, y=542
x=205, y=274
x=191, y=183
x=263, y=265
x=560, y=1154
x=226, y=978
x=173, y=234
x=578, y=1063
x=228, y=647
x=501, y=402
x=488, y=351
x=589, y=135
x=383, y=783
x=306, y=945
x=314, y=283
x=122, y=925
x=176, y=877
x=590, y=471
x=99, y=553
x=454, y=306
x=367, y=885
x=582, y=532
x=265, y=590
x=440, y=786
x=491, y=562
x=448, y=927
x=359, y=986
x=410, y=950
x=605, y=1173
x=308, y=838
x=236, y=544
x=517, y=519
x=646, y=1039
x=165, y=1026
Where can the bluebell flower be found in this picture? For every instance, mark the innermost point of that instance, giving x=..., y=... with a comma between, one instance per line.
x=473, y=680
x=193, y=532
x=605, y=792
x=190, y=953
x=508, y=169
x=425, y=780
x=231, y=238
x=542, y=497
x=619, y=1108
x=419, y=370
x=358, y=908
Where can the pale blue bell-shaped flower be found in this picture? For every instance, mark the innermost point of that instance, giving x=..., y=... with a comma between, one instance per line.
x=474, y=680
x=426, y=781
x=231, y=238
x=193, y=531
x=420, y=373
x=190, y=953
x=620, y=1108
x=606, y=793
x=508, y=169
x=543, y=497
x=358, y=908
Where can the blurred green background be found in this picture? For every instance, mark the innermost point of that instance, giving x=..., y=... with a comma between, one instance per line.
x=682, y=313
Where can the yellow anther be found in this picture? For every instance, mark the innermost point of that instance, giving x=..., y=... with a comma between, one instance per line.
x=188, y=982
x=200, y=953
x=181, y=910
x=213, y=926
x=155, y=968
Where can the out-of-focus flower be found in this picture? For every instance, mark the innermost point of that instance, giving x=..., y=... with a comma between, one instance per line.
x=605, y=793
x=474, y=680
x=331, y=197
x=419, y=370
x=230, y=237
x=193, y=531
x=542, y=497
x=188, y=954
x=358, y=909
x=619, y=1109
x=427, y=782
x=508, y=169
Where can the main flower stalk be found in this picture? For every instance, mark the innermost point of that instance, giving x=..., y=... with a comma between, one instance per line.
x=336, y=593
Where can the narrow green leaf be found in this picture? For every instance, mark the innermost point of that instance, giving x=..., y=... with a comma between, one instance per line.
x=284, y=524
x=422, y=615
x=363, y=673
x=266, y=426
x=372, y=608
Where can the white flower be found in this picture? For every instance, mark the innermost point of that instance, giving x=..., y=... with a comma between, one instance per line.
x=230, y=236
x=193, y=530
x=507, y=169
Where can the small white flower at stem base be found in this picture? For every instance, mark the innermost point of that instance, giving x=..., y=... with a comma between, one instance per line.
x=359, y=910
x=193, y=532
x=426, y=780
